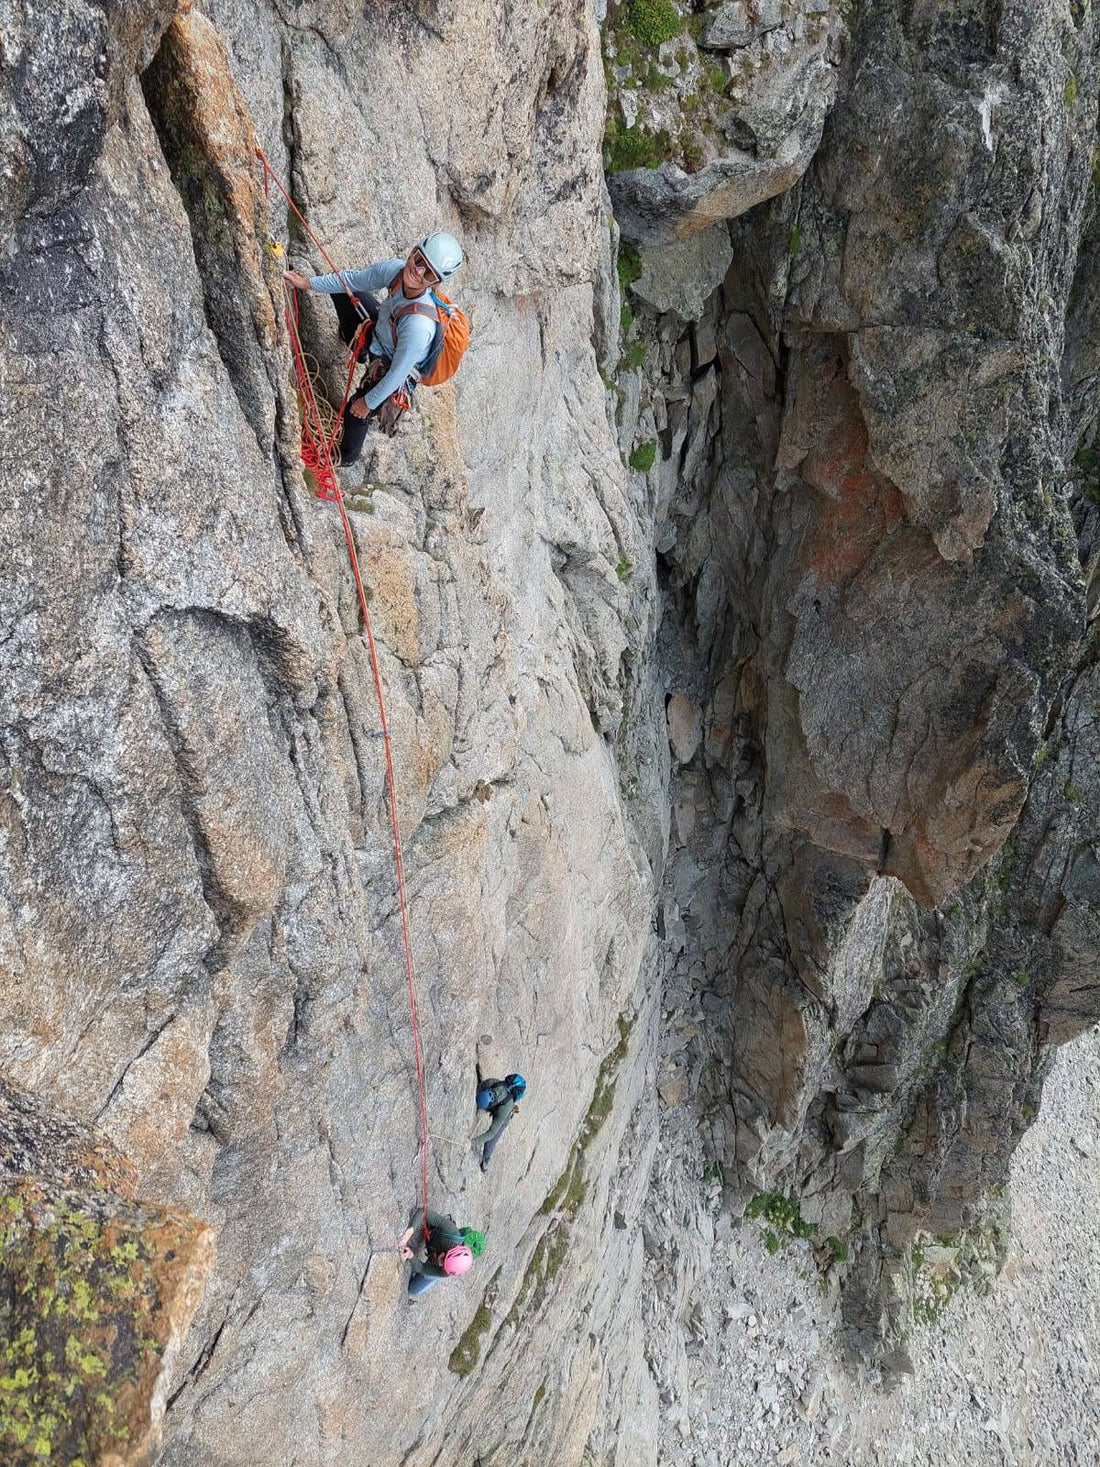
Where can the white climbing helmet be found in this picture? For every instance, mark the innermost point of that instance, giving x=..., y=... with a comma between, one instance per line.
x=442, y=252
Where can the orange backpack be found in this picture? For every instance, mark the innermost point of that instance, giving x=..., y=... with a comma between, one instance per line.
x=452, y=335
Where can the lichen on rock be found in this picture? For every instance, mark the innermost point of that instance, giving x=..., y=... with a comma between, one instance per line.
x=97, y=1291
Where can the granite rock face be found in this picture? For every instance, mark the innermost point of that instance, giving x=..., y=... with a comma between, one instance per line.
x=873, y=543
x=755, y=686
x=722, y=115
x=64, y=74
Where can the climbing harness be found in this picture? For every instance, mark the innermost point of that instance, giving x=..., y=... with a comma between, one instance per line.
x=317, y=450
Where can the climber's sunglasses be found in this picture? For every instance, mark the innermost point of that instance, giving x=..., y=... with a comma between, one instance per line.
x=419, y=263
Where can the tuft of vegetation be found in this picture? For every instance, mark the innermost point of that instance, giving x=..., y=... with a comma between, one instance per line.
x=838, y=1248
x=782, y=1212
x=643, y=456
x=1070, y=93
x=1071, y=792
x=631, y=147
x=654, y=21
x=794, y=244
x=628, y=267
x=634, y=357
x=625, y=568
x=692, y=152
x=626, y=318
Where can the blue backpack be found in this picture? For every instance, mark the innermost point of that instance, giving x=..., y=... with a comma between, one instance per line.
x=492, y=1093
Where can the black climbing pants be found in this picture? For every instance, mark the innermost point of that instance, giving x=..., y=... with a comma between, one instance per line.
x=355, y=429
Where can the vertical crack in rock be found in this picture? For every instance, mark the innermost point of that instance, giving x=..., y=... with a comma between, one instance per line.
x=210, y=147
x=209, y=142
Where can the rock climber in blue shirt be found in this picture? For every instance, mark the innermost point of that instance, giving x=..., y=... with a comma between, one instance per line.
x=400, y=339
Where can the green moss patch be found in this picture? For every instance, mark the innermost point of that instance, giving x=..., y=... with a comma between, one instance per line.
x=467, y=1353
x=633, y=357
x=547, y=1259
x=643, y=456
x=564, y=1200
x=603, y=1097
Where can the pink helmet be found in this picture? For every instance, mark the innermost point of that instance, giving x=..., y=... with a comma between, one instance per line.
x=457, y=1259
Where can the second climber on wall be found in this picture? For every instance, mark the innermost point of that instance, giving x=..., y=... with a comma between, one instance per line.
x=416, y=335
x=500, y=1098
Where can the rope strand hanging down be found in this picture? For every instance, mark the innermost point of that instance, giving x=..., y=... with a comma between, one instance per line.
x=317, y=451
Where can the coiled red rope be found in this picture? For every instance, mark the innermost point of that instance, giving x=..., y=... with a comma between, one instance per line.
x=317, y=450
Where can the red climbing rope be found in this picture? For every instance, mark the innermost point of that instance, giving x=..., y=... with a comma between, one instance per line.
x=317, y=451
x=318, y=445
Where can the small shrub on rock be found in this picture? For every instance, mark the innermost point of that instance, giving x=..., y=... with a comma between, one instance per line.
x=655, y=21
x=630, y=147
x=629, y=266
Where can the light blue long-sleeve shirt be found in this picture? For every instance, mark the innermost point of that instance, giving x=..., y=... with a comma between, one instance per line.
x=408, y=345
